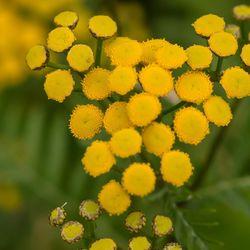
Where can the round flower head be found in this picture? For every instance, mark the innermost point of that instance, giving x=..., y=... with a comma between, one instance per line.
x=236, y=82
x=217, y=111
x=139, y=179
x=234, y=30
x=126, y=142
x=242, y=12
x=135, y=221
x=176, y=167
x=116, y=117
x=113, y=198
x=95, y=84
x=156, y=80
x=37, y=57
x=72, y=231
x=194, y=86
x=86, y=121
x=139, y=243
x=122, y=79
x=66, y=19
x=162, y=225
x=149, y=49
x=102, y=26
x=103, y=244
x=60, y=39
x=110, y=44
x=171, y=56
x=57, y=216
x=245, y=54
x=80, y=57
x=172, y=246
x=143, y=108
x=208, y=24
x=126, y=53
x=223, y=44
x=89, y=210
x=158, y=138
x=199, y=57
x=58, y=85
x=98, y=159
x=190, y=125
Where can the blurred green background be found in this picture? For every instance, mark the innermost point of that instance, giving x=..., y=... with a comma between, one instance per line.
x=40, y=165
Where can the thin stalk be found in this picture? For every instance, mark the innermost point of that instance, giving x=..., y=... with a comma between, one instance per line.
x=218, y=68
x=57, y=65
x=98, y=55
x=173, y=108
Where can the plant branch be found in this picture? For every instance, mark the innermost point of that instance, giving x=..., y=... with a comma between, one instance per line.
x=57, y=65
x=173, y=108
x=98, y=55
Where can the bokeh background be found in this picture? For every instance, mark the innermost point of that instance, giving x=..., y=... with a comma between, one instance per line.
x=39, y=159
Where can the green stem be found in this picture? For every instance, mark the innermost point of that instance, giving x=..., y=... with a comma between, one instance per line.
x=57, y=65
x=218, y=68
x=98, y=54
x=243, y=32
x=173, y=108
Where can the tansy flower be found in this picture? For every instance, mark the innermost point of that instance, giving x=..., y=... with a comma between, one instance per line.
x=158, y=138
x=122, y=79
x=102, y=26
x=89, y=210
x=37, y=57
x=223, y=44
x=98, y=159
x=190, y=125
x=58, y=85
x=234, y=30
x=135, y=221
x=72, y=231
x=172, y=246
x=236, y=82
x=208, y=24
x=217, y=111
x=143, y=108
x=110, y=44
x=86, y=121
x=149, y=49
x=60, y=39
x=199, y=57
x=176, y=167
x=139, y=179
x=162, y=225
x=245, y=54
x=126, y=53
x=113, y=198
x=171, y=56
x=139, y=243
x=103, y=244
x=95, y=84
x=155, y=80
x=126, y=142
x=80, y=57
x=66, y=19
x=57, y=216
x=242, y=12
x=116, y=117
x=193, y=86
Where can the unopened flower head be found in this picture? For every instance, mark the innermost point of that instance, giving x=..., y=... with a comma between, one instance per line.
x=242, y=12
x=72, y=231
x=139, y=243
x=162, y=225
x=57, y=216
x=89, y=210
x=135, y=221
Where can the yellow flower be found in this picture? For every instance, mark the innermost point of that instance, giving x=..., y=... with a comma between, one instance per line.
x=172, y=246
x=66, y=19
x=116, y=117
x=89, y=210
x=242, y=12
x=98, y=159
x=171, y=56
x=135, y=221
x=245, y=54
x=143, y=108
x=223, y=44
x=57, y=216
x=176, y=167
x=80, y=57
x=217, y=111
x=194, y=86
x=72, y=231
x=122, y=79
x=139, y=179
x=113, y=198
x=126, y=53
x=110, y=44
x=139, y=243
x=126, y=142
x=236, y=82
x=156, y=80
x=58, y=85
x=149, y=49
x=208, y=25
x=199, y=57
x=103, y=244
x=234, y=30
x=158, y=138
x=102, y=26
x=60, y=39
x=86, y=121
x=162, y=225
x=37, y=57
x=190, y=125
x=95, y=84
